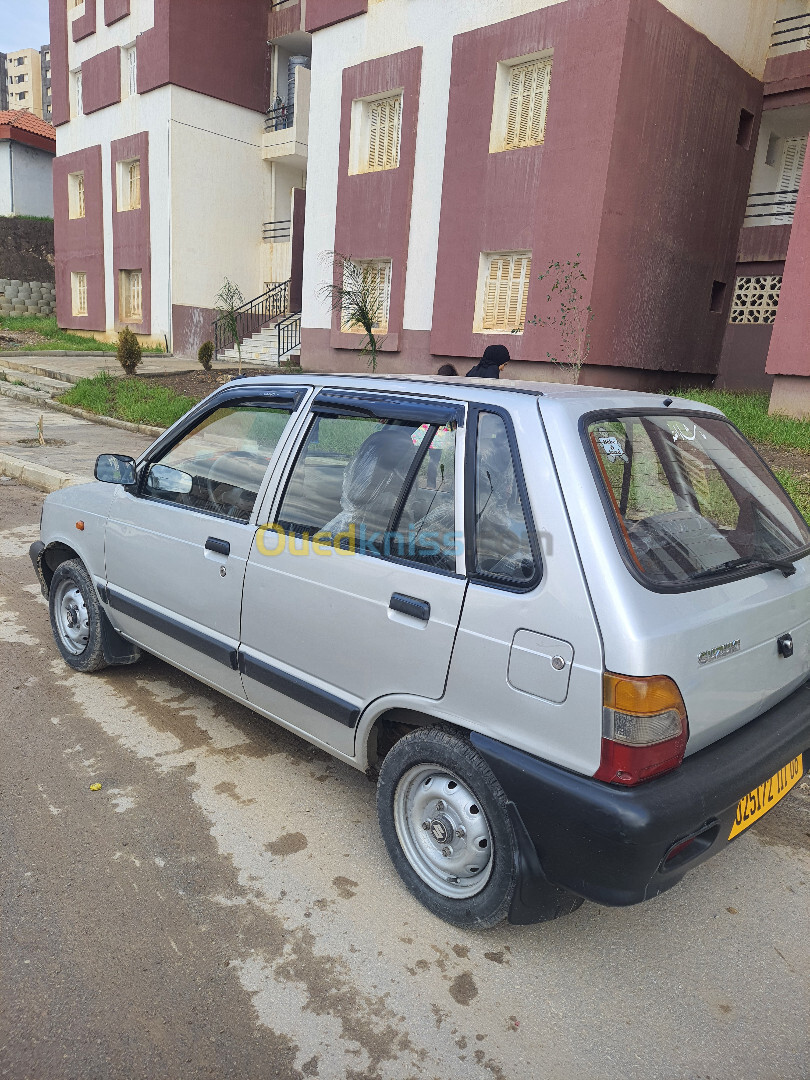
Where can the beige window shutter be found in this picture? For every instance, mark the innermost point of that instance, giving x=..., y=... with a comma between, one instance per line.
x=135, y=295
x=135, y=185
x=384, y=133
x=528, y=103
x=506, y=291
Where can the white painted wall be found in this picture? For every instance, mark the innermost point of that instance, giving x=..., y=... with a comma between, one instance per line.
x=220, y=198
x=31, y=175
x=741, y=28
x=5, y=178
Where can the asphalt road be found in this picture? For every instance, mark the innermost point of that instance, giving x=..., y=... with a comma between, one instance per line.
x=224, y=907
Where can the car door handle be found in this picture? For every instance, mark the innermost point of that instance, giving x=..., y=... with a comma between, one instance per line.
x=222, y=547
x=409, y=605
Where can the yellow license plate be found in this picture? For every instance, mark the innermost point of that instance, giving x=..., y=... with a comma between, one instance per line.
x=758, y=802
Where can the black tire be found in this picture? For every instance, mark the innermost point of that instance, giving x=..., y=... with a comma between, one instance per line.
x=454, y=758
x=76, y=628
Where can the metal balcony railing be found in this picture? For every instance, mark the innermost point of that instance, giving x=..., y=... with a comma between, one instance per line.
x=277, y=232
x=252, y=316
x=279, y=118
x=794, y=31
x=779, y=206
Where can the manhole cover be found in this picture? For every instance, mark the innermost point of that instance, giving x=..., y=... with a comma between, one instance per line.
x=36, y=442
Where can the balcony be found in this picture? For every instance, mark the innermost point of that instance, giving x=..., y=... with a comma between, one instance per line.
x=771, y=207
x=791, y=34
x=286, y=128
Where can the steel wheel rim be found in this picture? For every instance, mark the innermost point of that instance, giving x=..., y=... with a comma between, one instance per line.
x=443, y=831
x=72, y=618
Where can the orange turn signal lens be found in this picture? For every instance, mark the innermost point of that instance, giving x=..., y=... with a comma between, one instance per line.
x=644, y=728
x=640, y=696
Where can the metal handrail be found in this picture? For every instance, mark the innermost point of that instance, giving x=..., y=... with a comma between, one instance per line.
x=279, y=118
x=777, y=37
x=278, y=232
x=289, y=334
x=252, y=316
x=786, y=204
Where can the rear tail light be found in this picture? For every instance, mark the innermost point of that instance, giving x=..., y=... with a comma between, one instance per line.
x=644, y=728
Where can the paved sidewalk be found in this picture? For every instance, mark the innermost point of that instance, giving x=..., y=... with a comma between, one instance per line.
x=73, y=368
x=84, y=440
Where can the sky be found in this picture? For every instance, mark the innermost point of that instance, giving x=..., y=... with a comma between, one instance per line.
x=23, y=24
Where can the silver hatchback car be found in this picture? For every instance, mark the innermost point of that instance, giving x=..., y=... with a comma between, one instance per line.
x=567, y=630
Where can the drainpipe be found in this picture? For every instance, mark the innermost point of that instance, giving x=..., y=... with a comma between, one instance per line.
x=170, y=341
x=11, y=171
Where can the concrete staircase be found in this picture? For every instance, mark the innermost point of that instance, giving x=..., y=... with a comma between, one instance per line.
x=261, y=348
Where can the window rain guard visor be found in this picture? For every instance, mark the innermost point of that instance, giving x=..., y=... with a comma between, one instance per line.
x=690, y=500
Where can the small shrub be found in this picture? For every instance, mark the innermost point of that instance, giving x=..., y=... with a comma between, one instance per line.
x=205, y=354
x=128, y=351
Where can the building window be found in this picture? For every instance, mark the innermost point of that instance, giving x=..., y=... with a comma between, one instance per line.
x=503, y=291
x=521, y=103
x=129, y=184
x=375, y=277
x=23, y=94
x=78, y=284
x=756, y=299
x=129, y=66
x=130, y=295
x=76, y=195
x=375, y=134
x=77, y=82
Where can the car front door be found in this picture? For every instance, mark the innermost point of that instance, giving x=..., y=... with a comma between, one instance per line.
x=354, y=587
x=177, y=544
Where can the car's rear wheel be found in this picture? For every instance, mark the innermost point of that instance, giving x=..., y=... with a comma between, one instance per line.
x=76, y=617
x=444, y=819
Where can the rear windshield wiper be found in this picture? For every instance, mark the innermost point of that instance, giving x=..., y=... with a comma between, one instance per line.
x=785, y=565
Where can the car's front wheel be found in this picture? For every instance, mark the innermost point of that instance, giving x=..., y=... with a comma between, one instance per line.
x=76, y=617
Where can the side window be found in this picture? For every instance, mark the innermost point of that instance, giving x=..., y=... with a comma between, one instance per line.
x=502, y=550
x=383, y=487
x=219, y=466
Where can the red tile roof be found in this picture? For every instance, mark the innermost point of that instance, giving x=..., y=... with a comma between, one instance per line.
x=26, y=121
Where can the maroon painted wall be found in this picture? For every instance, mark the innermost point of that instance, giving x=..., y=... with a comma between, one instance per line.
x=60, y=101
x=191, y=326
x=546, y=199
x=115, y=10
x=374, y=209
x=321, y=13
x=791, y=71
x=763, y=243
x=284, y=20
x=101, y=80
x=85, y=25
x=297, y=267
x=211, y=47
x=675, y=198
x=131, y=238
x=79, y=244
x=789, y=353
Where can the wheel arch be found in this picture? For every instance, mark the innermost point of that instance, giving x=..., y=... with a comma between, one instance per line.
x=391, y=723
x=53, y=555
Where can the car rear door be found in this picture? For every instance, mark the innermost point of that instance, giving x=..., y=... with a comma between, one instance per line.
x=176, y=545
x=355, y=585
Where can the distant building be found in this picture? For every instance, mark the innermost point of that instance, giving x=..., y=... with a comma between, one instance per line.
x=24, y=80
x=27, y=150
x=45, y=70
x=3, y=83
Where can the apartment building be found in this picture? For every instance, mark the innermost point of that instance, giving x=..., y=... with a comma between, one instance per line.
x=456, y=151
x=163, y=110
x=23, y=79
x=45, y=76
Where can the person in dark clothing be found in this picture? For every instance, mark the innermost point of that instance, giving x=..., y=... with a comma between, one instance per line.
x=447, y=369
x=491, y=364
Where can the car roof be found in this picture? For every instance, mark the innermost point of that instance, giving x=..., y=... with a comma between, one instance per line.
x=573, y=399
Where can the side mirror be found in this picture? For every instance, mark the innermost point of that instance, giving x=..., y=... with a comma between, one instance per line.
x=115, y=469
x=162, y=478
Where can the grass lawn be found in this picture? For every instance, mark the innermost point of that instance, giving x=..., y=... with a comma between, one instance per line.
x=140, y=401
x=789, y=439
x=39, y=333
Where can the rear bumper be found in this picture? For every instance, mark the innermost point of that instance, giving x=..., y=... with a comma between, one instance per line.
x=608, y=844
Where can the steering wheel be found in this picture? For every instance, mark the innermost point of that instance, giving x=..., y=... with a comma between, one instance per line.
x=217, y=489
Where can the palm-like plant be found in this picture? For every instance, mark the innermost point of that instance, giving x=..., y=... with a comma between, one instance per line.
x=354, y=292
x=229, y=300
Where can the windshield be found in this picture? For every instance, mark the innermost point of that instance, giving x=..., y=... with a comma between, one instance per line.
x=690, y=497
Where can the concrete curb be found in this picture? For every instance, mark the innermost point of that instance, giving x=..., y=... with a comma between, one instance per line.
x=41, y=400
x=38, y=476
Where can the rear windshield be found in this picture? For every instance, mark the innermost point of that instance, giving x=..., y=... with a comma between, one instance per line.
x=691, y=499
